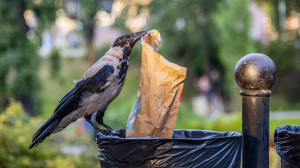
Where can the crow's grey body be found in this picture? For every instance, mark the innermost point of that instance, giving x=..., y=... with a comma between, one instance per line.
x=96, y=89
x=91, y=102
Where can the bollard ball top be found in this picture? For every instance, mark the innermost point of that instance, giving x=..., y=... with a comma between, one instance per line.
x=255, y=72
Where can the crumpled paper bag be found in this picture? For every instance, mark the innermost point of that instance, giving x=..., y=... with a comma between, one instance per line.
x=160, y=91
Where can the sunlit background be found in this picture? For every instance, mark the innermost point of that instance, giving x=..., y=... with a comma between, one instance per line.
x=46, y=45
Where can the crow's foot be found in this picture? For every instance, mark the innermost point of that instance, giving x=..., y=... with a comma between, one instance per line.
x=88, y=119
x=106, y=126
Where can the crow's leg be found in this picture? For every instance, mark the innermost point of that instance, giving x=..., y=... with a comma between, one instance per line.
x=99, y=119
x=89, y=119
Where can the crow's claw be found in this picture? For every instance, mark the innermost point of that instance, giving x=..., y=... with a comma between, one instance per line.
x=106, y=126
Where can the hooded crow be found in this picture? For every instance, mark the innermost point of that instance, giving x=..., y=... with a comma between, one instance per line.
x=93, y=93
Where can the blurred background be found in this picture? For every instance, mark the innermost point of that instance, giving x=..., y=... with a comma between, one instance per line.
x=46, y=45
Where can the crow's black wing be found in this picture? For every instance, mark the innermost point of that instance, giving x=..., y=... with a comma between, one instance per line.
x=70, y=101
x=93, y=84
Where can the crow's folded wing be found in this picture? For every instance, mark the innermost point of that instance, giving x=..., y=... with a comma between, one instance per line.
x=93, y=84
x=71, y=100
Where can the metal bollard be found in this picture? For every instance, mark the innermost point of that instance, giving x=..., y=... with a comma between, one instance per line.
x=255, y=74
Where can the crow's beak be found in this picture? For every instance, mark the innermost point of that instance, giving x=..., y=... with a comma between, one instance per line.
x=137, y=36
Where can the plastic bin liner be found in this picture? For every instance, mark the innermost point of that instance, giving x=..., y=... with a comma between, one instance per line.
x=187, y=148
x=287, y=140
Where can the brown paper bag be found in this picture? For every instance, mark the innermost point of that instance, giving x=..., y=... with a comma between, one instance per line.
x=161, y=86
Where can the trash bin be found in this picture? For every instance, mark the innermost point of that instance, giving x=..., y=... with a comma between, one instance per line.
x=287, y=140
x=187, y=148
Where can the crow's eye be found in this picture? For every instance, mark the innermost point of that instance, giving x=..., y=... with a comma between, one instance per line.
x=127, y=35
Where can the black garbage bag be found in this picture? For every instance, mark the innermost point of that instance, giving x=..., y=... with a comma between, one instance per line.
x=187, y=148
x=287, y=140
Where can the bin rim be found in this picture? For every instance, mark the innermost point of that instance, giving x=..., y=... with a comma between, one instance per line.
x=150, y=138
x=288, y=129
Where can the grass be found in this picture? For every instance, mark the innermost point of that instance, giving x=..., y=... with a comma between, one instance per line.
x=276, y=123
x=227, y=122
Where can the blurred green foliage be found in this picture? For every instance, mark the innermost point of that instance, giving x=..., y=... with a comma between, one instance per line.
x=19, y=60
x=187, y=119
x=207, y=35
x=201, y=35
x=53, y=90
x=16, y=130
x=285, y=91
x=88, y=10
x=55, y=60
x=187, y=31
x=232, y=21
x=272, y=9
x=283, y=53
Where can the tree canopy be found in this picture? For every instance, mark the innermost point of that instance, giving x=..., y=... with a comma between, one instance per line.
x=19, y=61
x=201, y=35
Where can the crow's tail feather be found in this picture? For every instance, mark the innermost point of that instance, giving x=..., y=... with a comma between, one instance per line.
x=45, y=130
x=44, y=126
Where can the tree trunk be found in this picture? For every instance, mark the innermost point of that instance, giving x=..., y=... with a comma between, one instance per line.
x=90, y=38
x=25, y=98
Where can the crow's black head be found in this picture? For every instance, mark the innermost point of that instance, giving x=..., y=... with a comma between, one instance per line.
x=129, y=40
